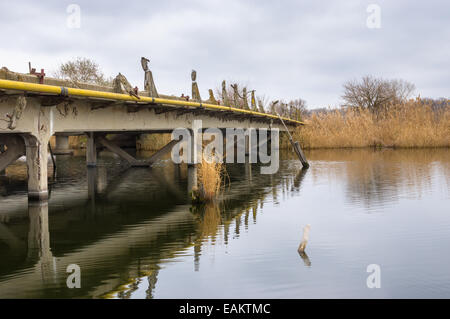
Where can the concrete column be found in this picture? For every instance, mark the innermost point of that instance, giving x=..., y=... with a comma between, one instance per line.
x=192, y=177
x=251, y=145
x=248, y=171
x=37, y=157
x=2, y=150
x=247, y=146
x=195, y=157
x=196, y=144
x=92, y=182
x=62, y=145
x=91, y=151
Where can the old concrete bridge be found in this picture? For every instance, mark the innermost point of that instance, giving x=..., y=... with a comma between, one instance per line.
x=32, y=112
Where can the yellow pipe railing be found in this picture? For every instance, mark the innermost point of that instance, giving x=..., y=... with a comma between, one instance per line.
x=59, y=90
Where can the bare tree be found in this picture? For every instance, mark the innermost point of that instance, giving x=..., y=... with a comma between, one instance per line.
x=293, y=109
x=82, y=70
x=297, y=109
x=375, y=93
x=401, y=90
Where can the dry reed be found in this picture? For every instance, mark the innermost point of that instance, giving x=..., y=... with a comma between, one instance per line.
x=210, y=181
x=409, y=125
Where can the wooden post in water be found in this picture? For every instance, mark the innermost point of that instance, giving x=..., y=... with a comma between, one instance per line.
x=299, y=152
x=296, y=147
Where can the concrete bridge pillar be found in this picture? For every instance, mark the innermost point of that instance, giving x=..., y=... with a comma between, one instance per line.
x=62, y=145
x=91, y=150
x=251, y=145
x=92, y=182
x=37, y=161
x=247, y=146
x=2, y=150
x=195, y=157
x=192, y=178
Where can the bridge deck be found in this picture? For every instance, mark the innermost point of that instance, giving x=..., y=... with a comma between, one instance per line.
x=11, y=82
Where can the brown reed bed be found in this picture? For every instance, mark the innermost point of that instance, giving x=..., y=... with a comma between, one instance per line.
x=413, y=124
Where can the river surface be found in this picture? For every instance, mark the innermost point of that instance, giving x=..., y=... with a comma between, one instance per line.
x=134, y=234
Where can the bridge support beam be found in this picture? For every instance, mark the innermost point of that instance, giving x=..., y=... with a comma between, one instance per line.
x=95, y=139
x=163, y=151
x=15, y=148
x=117, y=150
x=37, y=158
x=62, y=145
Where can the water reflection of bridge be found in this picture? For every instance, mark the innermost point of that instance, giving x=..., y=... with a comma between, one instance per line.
x=119, y=229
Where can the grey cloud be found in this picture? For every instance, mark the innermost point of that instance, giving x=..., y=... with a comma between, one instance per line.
x=284, y=50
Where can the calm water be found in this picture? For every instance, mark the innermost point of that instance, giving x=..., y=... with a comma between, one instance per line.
x=134, y=234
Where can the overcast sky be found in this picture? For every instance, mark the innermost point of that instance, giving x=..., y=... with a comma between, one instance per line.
x=293, y=49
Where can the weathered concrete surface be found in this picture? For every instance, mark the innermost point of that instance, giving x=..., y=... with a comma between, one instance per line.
x=82, y=116
x=91, y=150
x=37, y=161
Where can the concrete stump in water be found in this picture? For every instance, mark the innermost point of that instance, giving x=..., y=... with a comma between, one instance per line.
x=302, y=247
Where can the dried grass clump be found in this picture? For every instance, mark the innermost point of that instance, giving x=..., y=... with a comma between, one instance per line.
x=210, y=181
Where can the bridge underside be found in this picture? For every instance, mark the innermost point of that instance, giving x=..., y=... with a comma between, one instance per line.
x=27, y=122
